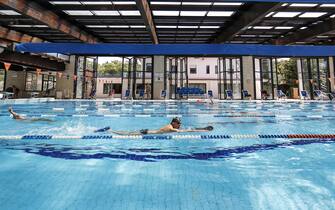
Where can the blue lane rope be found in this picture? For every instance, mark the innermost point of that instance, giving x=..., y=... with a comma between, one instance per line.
x=169, y=137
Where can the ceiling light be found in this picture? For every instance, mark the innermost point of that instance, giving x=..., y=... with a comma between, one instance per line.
x=96, y=26
x=196, y=3
x=118, y=26
x=187, y=26
x=209, y=26
x=124, y=2
x=327, y=5
x=166, y=26
x=139, y=26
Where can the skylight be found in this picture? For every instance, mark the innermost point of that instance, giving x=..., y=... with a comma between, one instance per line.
x=187, y=26
x=196, y=3
x=228, y=4
x=96, y=2
x=192, y=13
x=303, y=28
x=9, y=12
x=130, y=13
x=66, y=2
x=327, y=5
x=166, y=26
x=29, y=26
x=118, y=26
x=96, y=26
x=283, y=27
x=137, y=26
x=165, y=13
x=312, y=14
x=124, y=2
x=220, y=13
x=263, y=27
x=303, y=5
x=164, y=3
x=209, y=26
x=106, y=12
x=286, y=14
x=78, y=12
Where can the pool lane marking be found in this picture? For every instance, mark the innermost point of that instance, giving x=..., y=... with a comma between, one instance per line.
x=177, y=136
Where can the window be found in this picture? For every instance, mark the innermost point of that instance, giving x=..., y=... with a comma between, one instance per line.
x=216, y=69
x=193, y=69
x=107, y=88
x=208, y=69
x=148, y=67
x=49, y=82
x=117, y=88
x=33, y=82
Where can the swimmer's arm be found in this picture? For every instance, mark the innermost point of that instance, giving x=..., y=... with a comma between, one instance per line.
x=192, y=130
x=125, y=132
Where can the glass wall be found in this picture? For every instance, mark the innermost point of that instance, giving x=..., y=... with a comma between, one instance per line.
x=315, y=73
x=86, y=72
x=230, y=77
x=176, y=74
x=265, y=78
x=137, y=75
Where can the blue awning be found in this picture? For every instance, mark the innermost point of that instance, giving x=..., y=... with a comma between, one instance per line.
x=177, y=49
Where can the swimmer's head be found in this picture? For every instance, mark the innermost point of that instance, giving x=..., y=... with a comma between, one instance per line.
x=10, y=109
x=176, y=122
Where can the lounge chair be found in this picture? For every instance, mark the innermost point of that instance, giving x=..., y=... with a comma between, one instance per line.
x=229, y=94
x=304, y=94
x=245, y=94
x=163, y=94
x=320, y=95
x=281, y=94
x=127, y=94
x=141, y=94
x=210, y=94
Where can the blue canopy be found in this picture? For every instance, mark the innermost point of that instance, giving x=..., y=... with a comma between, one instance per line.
x=178, y=49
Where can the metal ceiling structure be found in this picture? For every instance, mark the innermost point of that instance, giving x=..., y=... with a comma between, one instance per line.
x=168, y=22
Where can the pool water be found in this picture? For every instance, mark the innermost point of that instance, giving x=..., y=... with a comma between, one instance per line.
x=183, y=173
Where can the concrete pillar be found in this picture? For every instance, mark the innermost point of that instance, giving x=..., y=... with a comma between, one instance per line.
x=248, y=74
x=64, y=86
x=300, y=79
x=158, y=69
x=332, y=72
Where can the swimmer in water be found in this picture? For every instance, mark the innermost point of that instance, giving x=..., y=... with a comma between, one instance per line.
x=16, y=116
x=174, y=126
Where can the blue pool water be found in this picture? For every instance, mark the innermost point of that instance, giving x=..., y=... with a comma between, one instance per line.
x=190, y=173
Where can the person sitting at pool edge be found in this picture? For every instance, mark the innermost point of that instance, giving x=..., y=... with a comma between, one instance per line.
x=16, y=116
x=174, y=126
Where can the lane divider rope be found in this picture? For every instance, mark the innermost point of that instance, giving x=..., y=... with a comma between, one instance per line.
x=168, y=137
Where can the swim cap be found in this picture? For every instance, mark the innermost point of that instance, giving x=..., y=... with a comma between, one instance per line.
x=176, y=119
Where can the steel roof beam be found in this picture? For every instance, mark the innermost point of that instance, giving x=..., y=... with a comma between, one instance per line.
x=49, y=18
x=15, y=36
x=145, y=11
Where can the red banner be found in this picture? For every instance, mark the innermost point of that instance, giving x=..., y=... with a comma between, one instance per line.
x=7, y=66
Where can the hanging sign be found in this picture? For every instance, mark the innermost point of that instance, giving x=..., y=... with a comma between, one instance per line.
x=7, y=66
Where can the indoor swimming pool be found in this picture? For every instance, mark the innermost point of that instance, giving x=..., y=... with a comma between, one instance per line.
x=260, y=155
